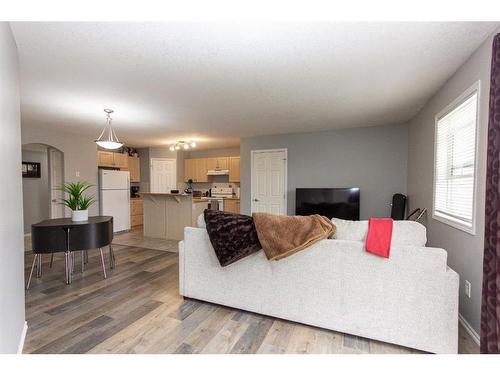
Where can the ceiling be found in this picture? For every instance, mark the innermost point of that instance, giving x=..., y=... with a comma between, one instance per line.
x=217, y=82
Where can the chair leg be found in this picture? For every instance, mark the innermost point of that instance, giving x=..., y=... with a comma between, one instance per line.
x=102, y=261
x=67, y=267
x=111, y=257
x=39, y=266
x=31, y=273
x=82, y=260
x=86, y=257
x=51, y=260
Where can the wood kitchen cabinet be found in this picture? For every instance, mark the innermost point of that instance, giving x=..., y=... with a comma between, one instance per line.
x=232, y=205
x=134, y=169
x=136, y=212
x=195, y=169
x=234, y=169
x=217, y=163
x=112, y=159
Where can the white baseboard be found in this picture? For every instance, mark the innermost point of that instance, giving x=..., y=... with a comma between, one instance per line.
x=27, y=235
x=23, y=337
x=475, y=336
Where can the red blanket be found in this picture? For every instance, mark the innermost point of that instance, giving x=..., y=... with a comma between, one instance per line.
x=378, y=239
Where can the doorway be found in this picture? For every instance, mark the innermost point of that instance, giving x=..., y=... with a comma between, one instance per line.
x=269, y=181
x=163, y=176
x=41, y=194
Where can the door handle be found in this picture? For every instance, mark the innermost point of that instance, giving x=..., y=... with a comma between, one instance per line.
x=255, y=200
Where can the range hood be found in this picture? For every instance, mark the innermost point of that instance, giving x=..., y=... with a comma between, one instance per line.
x=217, y=172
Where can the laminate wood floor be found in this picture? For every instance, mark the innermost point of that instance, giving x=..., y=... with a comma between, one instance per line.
x=137, y=309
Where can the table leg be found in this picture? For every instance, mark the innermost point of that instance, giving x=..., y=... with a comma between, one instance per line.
x=51, y=260
x=66, y=267
x=102, y=261
x=111, y=257
x=39, y=266
x=31, y=273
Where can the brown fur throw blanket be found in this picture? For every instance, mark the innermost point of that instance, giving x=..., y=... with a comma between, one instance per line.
x=232, y=236
x=282, y=236
x=235, y=236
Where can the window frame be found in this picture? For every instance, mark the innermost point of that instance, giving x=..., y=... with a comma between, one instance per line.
x=455, y=223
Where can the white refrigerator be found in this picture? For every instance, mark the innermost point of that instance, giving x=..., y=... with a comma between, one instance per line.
x=114, y=197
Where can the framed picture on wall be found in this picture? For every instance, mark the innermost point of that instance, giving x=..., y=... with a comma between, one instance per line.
x=31, y=169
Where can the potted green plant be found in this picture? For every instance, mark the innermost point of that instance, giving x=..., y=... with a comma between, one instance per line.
x=76, y=201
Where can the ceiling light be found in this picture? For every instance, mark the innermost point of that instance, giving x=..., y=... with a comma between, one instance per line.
x=108, y=138
x=182, y=144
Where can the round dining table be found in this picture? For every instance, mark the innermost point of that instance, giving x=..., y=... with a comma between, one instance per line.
x=64, y=235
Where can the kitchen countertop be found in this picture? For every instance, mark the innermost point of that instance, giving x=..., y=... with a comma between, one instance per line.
x=169, y=194
x=205, y=199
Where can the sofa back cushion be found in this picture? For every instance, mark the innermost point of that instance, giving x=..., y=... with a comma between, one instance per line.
x=404, y=233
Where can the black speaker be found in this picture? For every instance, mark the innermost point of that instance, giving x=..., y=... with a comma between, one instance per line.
x=398, y=208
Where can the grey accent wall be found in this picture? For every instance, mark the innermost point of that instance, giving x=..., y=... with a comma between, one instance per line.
x=144, y=165
x=373, y=159
x=80, y=154
x=465, y=251
x=12, y=315
x=36, y=201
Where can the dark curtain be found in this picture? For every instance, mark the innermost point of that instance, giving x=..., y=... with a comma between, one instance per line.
x=490, y=306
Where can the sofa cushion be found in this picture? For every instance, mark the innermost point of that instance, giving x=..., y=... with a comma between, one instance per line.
x=404, y=233
x=350, y=230
x=200, y=222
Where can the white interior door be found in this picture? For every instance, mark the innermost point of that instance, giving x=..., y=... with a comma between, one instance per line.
x=163, y=177
x=56, y=170
x=269, y=181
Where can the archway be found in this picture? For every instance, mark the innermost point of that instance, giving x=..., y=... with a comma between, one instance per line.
x=43, y=174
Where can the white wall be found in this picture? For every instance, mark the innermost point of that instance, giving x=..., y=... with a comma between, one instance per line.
x=465, y=251
x=36, y=197
x=373, y=159
x=12, y=313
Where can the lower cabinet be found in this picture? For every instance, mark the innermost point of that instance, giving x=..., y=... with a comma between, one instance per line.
x=136, y=212
x=232, y=205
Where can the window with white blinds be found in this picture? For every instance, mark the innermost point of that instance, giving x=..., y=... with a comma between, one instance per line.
x=455, y=161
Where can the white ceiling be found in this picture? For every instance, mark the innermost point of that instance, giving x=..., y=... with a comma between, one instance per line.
x=216, y=82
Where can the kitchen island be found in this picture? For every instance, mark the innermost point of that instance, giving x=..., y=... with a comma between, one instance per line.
x=166, y=214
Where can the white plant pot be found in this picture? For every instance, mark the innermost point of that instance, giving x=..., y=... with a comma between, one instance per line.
x=80, y=215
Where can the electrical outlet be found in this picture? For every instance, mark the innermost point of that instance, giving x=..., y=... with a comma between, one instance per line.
x=467, y=288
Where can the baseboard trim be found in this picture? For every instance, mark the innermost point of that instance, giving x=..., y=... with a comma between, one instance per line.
x=475, y=336
x=27, y=235
x=23, y=337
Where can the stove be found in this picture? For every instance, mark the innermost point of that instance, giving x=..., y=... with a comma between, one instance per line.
x=222, y=192
x=217, y=197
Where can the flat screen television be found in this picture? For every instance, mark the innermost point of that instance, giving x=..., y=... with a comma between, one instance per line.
x=342, y=203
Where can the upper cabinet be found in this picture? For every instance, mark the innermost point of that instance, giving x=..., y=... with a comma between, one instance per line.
x=105, y=159
x=121, y=161
x=234, y=169
x=217, y=163
x=196, y=170
x=134, y=169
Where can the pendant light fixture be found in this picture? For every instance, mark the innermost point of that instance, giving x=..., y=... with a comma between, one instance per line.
x=108, y=138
